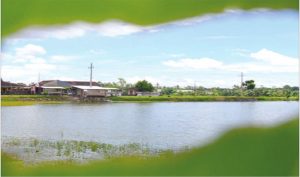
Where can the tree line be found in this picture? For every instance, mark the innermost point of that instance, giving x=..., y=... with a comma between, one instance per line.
x=248, y=88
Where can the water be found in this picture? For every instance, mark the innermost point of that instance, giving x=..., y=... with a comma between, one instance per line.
x=158, y=125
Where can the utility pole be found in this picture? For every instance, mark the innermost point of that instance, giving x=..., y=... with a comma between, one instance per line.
x=91, y=74
x=195, y=88
x=39, y=80
x=242, y=81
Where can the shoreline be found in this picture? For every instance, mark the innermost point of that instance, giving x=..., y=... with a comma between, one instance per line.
x=28, y=100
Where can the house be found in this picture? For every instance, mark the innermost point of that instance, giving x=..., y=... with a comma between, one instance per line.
x=14, y=88
x=185, y=90
x=58, y=87
x=113, y=91
x=55, y=87
x=94, y=91
x=132, y=92
x=148, y=93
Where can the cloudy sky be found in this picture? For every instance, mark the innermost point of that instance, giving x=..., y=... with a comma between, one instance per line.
x=208, y=51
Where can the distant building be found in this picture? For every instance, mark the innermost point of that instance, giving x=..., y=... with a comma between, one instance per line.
x=8, y=88
x=55, y=87
x=134, y=92
x=148, y=93
x=75, y=88
x=95, y=91
x=185, y=90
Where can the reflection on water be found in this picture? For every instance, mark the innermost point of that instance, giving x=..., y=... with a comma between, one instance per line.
x=157, y=125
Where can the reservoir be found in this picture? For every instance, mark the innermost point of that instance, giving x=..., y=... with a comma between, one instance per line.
x=162, y=125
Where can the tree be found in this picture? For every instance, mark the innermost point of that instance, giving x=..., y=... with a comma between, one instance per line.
x=122, y=83
x=110, y=84
x=144, y=86
x=287, y=90
x=249, y=84
x=168, y=91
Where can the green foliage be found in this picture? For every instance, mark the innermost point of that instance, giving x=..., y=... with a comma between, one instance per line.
x=249, y=84
x=198, y=98
x=26, y=100
x=144, y=86
x=236, y=91
x=168, y=91
x=240, y=152
x=122, y=83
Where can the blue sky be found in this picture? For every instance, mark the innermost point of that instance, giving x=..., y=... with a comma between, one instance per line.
x=210, y=51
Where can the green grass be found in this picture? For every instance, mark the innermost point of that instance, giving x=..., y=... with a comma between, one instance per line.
x=26, y=100
x=198, y=98
x=18, y=14
x=243, y=152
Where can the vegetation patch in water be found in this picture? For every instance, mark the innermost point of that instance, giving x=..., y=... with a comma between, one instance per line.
x=34, y=150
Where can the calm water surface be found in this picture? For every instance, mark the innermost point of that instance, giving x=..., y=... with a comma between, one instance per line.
x=159, y=125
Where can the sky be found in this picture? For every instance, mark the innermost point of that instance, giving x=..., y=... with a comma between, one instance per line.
x=209, y=51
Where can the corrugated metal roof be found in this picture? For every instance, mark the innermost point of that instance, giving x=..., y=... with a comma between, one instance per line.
x=83, y=87
x=52, y=87
x=57, y=83
x=66, y=83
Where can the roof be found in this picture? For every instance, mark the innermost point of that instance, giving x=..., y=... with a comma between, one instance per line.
x=69, y=83
x=57, y=83
x=82, y=83
x=53, y=87
x=83, y=87
x=10, y=84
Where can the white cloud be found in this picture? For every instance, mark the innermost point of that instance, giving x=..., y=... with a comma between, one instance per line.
x=62, y=58
x=113, y=29
x=27, y=53
x=201, y=63
x=274, y=58
x=150, y=79
x=26, y=73
x=25, y=64
x=30, y=49
x=66, y=33
x=97, y=51
x=263, y=61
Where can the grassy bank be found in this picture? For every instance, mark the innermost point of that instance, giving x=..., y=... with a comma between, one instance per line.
x=25, y=100
x=198, y=98
x=242, y=152
x=17, y=14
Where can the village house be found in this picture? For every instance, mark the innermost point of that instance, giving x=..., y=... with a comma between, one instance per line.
x=74, y=88
x=8, y=88
x=134, y=92
x=57, y=87
x=95, y=91
x=148, y=93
